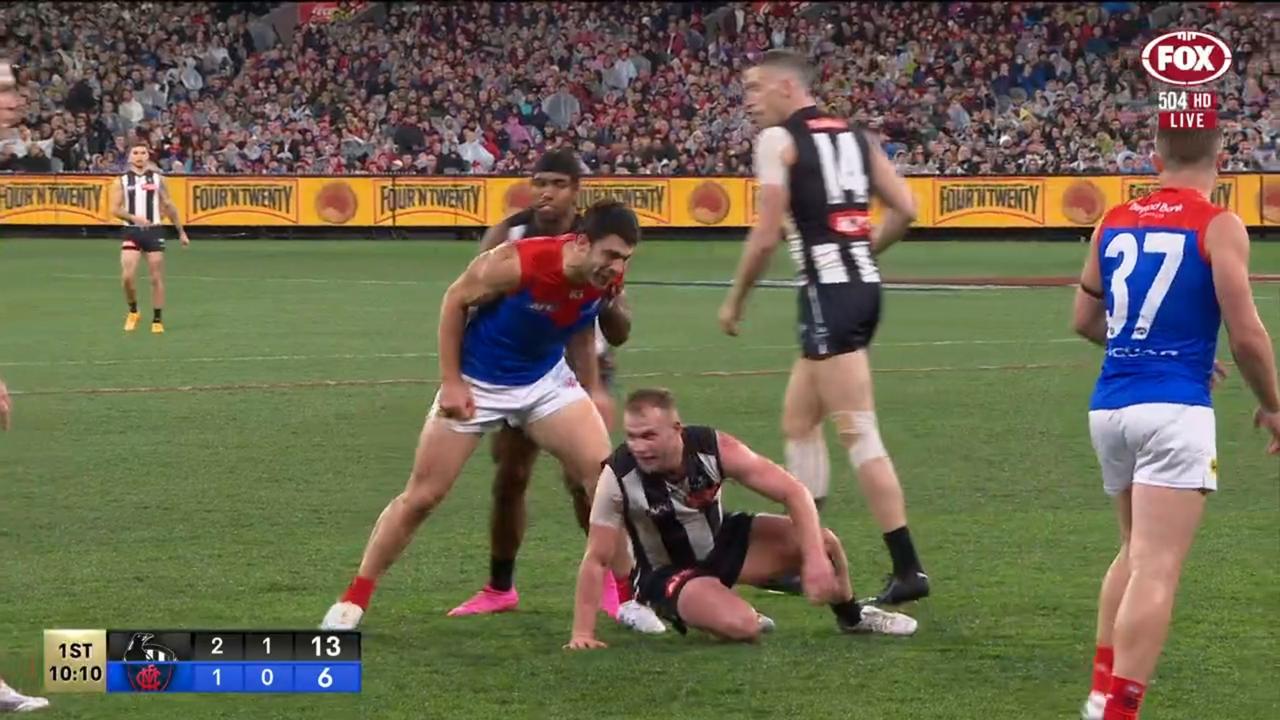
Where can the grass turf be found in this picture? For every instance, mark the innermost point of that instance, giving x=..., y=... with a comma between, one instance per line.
x=248, y=507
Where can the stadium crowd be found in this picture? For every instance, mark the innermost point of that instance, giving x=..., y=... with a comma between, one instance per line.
x=637, y=88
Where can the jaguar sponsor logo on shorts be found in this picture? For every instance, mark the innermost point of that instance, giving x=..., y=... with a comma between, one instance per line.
x=36, y=200
x=650, y=199
x=275, y=199
x=955, y=200
x=430, y=202
x=1224, y=193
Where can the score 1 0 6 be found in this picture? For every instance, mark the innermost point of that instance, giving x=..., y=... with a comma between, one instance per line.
x=1169, y=100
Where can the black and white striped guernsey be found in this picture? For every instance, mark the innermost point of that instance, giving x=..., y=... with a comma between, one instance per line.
x=672, y=521
x=142, y=195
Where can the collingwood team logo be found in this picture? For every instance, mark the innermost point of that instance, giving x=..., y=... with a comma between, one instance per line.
x=149, y=669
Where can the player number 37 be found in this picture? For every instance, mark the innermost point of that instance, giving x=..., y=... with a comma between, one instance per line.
x=1125, y=246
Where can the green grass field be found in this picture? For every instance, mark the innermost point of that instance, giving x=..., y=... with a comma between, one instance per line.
x=238, y=489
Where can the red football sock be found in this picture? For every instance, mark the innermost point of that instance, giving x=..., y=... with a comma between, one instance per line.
x=359, y=592
x=1125, y=699
x=625, y=593
x=1103, y=660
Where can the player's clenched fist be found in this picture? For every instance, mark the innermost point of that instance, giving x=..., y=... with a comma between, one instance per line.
x=456, y=401
x=10, y=100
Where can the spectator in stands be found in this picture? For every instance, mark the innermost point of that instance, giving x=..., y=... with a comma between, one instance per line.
x=653, y=87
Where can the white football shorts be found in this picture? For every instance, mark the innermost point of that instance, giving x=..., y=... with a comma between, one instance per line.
x=1161, y=444
x=517, y=405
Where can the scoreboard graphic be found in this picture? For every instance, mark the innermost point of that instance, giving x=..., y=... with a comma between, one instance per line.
x=215, y=661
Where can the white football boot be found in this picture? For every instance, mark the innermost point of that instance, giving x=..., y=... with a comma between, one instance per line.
x=13, y=701
x=1094, y=706
x=342, y=616
x=640, y=617
x=881, y=622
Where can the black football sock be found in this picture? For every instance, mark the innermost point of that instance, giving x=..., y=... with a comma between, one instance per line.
x=849, y=611
x=902, y=551
x=157, y=316
x=133, y=307
x=501, y=574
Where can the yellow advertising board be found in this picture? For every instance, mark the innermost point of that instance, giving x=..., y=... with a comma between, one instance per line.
x=54, y=199
x=678, y=202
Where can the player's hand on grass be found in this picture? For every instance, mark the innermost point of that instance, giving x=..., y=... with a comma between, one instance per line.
x=730, y=316
x=1219, y=375
x=5, y=406
x=584, y=642
x=456, y=401
x=818, y=579
x=1271, y=422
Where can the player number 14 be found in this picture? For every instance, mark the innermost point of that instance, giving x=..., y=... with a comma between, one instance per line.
x=842, y=167
x=1125, y=247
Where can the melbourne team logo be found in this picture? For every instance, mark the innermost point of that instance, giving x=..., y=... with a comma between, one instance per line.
x=150, y=668
x=1186, y=58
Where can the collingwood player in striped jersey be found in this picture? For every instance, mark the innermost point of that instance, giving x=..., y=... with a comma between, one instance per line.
x=662, y=487
x=139, y=198
x=554, y=212
x=817, y=176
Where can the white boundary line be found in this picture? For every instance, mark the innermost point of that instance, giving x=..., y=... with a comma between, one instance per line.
x=427, y=355
x=332, y=383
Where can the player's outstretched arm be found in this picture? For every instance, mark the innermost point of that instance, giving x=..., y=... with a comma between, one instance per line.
x=1089, y=317
x=602, y=541
x=1227, y=244
x=489, y=276
x=775, y=153
x=892, y=190
x=171, y=211
x=762, y=475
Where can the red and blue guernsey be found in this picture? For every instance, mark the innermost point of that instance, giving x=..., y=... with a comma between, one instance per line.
x=1162, y=310
x=517, y=339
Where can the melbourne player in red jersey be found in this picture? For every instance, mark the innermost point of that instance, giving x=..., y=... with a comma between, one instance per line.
x=506, y=326
x=1163, y=273
x=554, y=212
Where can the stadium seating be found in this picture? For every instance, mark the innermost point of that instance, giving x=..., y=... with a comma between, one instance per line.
x=639, y=88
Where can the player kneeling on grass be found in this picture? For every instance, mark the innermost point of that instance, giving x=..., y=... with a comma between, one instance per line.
x=663, y=487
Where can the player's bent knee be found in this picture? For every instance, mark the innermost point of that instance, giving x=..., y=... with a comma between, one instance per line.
x=860, y=434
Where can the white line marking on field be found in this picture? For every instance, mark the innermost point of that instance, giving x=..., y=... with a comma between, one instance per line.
x=689, y=285
x=303, y=384
x=428, y=355
x=231, y=278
